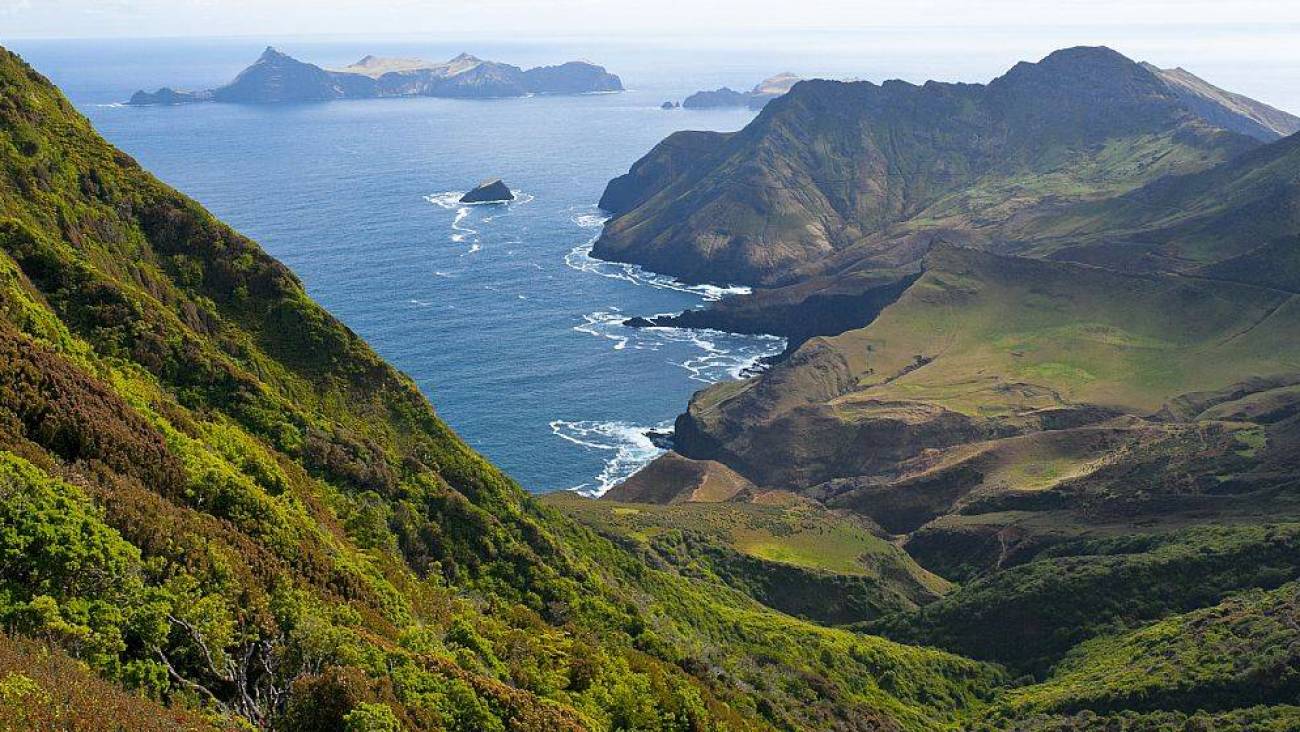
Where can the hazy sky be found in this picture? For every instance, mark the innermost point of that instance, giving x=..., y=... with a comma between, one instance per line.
x=477, y=18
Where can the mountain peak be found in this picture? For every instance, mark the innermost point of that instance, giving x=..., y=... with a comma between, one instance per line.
x=1080, y=63
x=1085, y=55
x=271, y=53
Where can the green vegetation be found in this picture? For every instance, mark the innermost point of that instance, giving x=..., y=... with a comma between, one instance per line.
x=1241, y=652
x=1028, y=616
x=43, y=688
x=792, y=556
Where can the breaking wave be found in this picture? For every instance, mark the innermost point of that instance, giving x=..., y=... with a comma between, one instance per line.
x=629, y=445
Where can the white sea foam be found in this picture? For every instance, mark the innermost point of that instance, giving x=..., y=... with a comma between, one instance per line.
x=461, y=231
x=629, y=447
x=591, y=220
x=580, y=259
x=446, y=199
x=451, y=199
x=725, y=355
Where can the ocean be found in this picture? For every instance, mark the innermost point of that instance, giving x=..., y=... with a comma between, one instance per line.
x=496, y=311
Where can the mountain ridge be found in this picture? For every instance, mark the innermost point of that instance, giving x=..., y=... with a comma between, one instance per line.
x=833, y=164
x=277, y=77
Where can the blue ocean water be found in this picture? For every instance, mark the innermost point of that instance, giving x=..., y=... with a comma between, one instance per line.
x=495, y=310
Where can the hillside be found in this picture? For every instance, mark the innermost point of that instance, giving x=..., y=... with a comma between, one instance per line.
x=1066, y=382
x=218, y=500
x=791, y=555
x=985, y=360
x=1083, y=450
x=834, y=165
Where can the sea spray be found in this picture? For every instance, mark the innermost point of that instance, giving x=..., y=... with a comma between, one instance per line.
x=630, y=445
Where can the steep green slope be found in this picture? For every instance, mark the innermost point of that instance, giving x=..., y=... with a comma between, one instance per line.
x=1028, y=616
x=216, y=496
x=42, y=688
x=1226, y=109
x=1241, y=652
x=791, y=555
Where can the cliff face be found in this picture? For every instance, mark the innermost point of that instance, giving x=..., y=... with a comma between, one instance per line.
x=277, y=77
x=830, y=166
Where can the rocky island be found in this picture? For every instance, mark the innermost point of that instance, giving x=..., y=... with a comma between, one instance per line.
x=756, y=98
x=277, y=77
x=492, y=190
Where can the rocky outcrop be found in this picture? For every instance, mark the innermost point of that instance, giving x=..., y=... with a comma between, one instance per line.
x=489, y=191
x=672, y=478
x=821, y=307
x=718, y=98
x=277, y=77
x=167, y=95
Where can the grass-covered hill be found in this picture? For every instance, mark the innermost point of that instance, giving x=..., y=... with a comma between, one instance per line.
x=833, y=166
x=787, y=553
x=219, y=508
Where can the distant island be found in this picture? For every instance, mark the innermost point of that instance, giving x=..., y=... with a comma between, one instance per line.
x=277, y=77
x=756, y=98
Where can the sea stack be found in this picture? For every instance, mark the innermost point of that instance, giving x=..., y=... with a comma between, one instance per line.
x=489, y=190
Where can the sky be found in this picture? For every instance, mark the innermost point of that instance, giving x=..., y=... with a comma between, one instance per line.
x=1247, y=46
x=539, y=18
